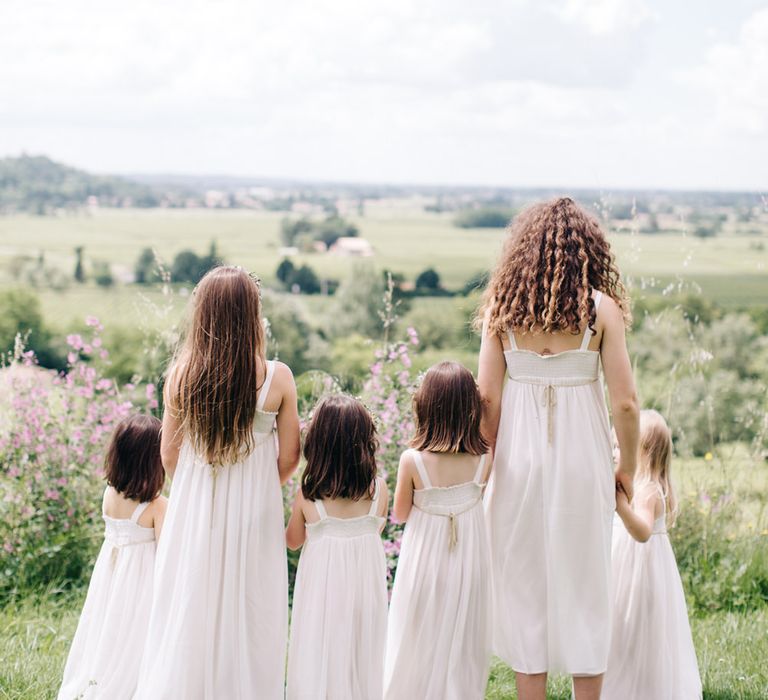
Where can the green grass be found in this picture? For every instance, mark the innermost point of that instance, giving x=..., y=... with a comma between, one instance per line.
x=35, y=634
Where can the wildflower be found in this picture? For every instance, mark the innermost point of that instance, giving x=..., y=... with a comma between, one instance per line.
x=75, y=341
x=708, y=457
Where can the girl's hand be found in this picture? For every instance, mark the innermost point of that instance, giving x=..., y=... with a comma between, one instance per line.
x=625, y=482
x=622, y=502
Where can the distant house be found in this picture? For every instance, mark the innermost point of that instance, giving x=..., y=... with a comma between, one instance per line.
x=351, y=247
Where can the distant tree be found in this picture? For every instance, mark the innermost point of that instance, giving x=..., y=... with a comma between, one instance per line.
x=187, y=267
x=305, y=279
x=358, y=303
x=704, y=231
x=291, y=228
x=333, y=228
x=428, y=280
x=284, y=271
x=145, y=269
x=477, y=282
x=102, y=274
x=213, y=260
x=483, y=218
x=190, y=267
x=79, y=274
x=329, y=230
x=20, y=313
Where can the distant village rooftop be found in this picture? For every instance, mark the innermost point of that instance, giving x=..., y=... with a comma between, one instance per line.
x=352, y=246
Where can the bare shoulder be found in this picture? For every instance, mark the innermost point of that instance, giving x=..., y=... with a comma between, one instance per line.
x=157, y=505
x=283, y=376
x=609, y=308
x=407, y=465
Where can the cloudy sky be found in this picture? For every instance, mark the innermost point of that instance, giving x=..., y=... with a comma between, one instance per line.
x=591, y=93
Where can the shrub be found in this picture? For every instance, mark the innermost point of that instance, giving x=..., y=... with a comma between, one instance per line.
x=721, y=568
x=52, y=440
x=483, y=218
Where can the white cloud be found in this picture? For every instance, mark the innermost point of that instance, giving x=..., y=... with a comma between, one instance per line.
x=604, y=17
x=735, y=76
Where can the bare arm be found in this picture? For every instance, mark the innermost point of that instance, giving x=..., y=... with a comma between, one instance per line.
x=288, y=430
x=296, y=532
x=637, y=520
x=403, y=490
x=170, y=440
x=383, y=503
x=159, y=506
x=490, y=379
x=621, y=392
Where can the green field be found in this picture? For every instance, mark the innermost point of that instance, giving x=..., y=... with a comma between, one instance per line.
x=730, y=269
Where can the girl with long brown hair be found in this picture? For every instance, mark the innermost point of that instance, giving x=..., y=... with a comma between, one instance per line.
x=554, y=311
x=230, y=437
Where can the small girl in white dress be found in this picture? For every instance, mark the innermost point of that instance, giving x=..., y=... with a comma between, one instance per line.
x=651, y=654
x=339, y=619
x=439, y=636
x=104, y=658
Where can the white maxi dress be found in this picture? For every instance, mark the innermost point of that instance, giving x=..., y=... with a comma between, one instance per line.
x=549, y=507
x=439, y=637
x=652, y=653
x=219, y=618
x=103, y=661
x=339, y=617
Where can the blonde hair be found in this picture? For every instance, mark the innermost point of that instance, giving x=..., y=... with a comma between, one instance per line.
x=213, y=380
x=655, y=459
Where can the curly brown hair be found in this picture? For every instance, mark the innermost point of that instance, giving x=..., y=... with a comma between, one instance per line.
x=554, y=256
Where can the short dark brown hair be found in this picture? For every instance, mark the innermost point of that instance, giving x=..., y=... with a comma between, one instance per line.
x=132, y=465
x=340, y=449
x=447, y=409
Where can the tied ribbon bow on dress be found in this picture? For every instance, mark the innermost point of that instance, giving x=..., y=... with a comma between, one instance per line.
x=549, y=401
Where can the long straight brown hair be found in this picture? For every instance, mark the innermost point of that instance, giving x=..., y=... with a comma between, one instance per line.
x=213, y=381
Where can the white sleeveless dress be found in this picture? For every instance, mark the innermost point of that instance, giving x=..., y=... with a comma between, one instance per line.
x=220, y=609
x=549, y=507
x=652, y=653
x=339, y=617
x=439, y=637
x=106, y=651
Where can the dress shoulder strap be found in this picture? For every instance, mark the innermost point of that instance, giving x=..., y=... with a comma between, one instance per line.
x=512, y=341
x=421, y=469
x=588, y=331
x=376, y=493
x=104, y=500
x=270, y=372
x=320, y=509
x=138, y=510
x=480, y=469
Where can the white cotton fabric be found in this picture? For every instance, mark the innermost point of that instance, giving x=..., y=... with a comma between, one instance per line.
x=339, y=616
x=652, y=653
x=219, y=618
x=106, y=651
x=549, y=508
x=439, y=637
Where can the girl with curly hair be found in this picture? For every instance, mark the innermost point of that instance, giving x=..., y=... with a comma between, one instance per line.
x=554, y=311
